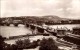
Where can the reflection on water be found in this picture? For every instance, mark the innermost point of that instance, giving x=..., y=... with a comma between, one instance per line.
x=7, y=31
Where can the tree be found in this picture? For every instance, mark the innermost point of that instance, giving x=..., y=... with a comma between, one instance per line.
x=26, y=43
x=48, y=44
x=14, y=47
x=2, y=43
x=19, y=43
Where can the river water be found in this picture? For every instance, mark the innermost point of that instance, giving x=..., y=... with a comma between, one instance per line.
x=65, y=26
x=7, y=31
x=11, y=30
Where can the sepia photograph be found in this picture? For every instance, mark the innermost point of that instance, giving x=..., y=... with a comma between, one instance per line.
x=39, y=24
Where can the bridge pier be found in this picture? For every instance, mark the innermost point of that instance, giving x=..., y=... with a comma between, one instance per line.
x=15, y=24
x=7, y=24
x=27, y=25
x=41, y=30
x=32, y=27
x=2, y=24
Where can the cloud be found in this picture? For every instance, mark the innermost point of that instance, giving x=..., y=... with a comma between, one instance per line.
x=62, y=8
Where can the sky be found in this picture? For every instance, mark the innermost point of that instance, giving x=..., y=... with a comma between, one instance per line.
x=61, y=8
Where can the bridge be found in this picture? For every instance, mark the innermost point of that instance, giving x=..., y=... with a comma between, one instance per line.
x=41, y=30
x=10, y=20
x=31, y=22
x=37, y=28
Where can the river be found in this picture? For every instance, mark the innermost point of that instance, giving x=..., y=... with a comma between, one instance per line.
x=11, y=30
x=68, y=26
x=7, y=31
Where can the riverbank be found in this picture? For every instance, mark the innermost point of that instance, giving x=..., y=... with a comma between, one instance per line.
x=30, y=37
